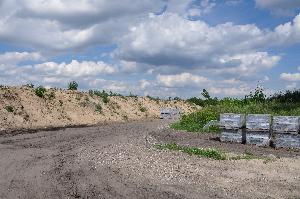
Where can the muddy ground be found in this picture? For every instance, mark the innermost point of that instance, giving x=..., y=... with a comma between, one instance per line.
x=118, y=161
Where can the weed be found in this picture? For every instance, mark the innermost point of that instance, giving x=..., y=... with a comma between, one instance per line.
x=60, y=102
x=40, y=91
x=125, y=117
x=98, y=108
x=91, y=93
x=72, y=85
x=9, y=109
x=78, y=98
x=104, y=95
x=51, y=95
x=143, y=109
x=209, y=153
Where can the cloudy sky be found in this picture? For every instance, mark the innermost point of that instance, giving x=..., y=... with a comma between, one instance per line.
x=156, y=47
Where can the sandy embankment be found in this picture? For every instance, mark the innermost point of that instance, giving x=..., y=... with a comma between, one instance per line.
x=69, y=108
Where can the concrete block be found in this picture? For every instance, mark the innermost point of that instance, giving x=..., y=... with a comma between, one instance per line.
x=232, y=121
x=258, y=138
x=237, y=136
x=286, y=124
x=258, y=122
x=287, y=141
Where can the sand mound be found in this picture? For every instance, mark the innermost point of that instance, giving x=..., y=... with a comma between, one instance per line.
x=20, y=107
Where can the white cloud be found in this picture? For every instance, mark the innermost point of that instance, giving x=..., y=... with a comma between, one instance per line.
x=290, y=76
x=281, y=7
x=181, y=80
x=170, y=40
x=17, y=57
x=75, y=68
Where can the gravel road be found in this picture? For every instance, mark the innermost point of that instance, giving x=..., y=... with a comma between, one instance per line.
x=118, y=161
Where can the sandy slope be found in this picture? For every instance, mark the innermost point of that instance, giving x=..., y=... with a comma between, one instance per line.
x=73, y=108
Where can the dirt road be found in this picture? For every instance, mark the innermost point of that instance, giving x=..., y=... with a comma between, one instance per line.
x=117, y=161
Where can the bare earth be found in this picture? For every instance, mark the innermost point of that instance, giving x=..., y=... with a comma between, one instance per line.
x=118, y=161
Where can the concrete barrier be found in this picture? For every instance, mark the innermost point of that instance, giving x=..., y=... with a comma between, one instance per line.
x=231, y=127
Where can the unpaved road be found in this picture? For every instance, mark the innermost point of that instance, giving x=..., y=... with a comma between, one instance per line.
x=117, y=161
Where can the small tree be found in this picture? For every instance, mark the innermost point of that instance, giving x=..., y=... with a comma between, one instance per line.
x=73, y=85
x=205, y=94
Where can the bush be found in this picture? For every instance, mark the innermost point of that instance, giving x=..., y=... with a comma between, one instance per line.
x=9, y=109
x=98, y=108
x=104, y=95
x=73, y=85
x=143, y=109
x=40, y=91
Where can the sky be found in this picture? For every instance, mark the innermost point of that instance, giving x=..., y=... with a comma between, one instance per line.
x=152, y=47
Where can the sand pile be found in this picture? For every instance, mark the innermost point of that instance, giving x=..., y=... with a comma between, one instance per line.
x=20, y=107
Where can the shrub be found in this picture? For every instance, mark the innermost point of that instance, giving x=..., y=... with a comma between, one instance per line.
x=98, y=108
x=51, y=95
x=143, y=109
x=9, y=109
x=104, y=95
x=40, y=91
x=91, y=93
x=73, y=85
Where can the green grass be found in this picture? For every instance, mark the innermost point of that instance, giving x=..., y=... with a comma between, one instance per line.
x=194, y=122
x=214, y=154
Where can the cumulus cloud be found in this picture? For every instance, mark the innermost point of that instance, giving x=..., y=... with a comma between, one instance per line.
x=74, y=68
x=182, y=80
x=281, y=7
x=59, y=25
x=290, y=76
x=170, y=40
x=12, y=58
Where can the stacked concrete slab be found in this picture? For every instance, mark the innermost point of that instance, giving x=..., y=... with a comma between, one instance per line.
x=286, y=131
x=231, y=126
x=258, y=129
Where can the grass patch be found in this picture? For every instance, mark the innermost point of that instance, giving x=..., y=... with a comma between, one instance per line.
x=208, y=153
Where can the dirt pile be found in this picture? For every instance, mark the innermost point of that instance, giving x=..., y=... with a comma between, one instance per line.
x=20, y=107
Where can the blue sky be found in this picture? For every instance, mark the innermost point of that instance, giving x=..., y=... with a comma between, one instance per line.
x=161, y=47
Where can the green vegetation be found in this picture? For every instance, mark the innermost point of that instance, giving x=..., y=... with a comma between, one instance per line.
x=40, y=91
x=51, y=95
x=256, y=102
x=73, y=86
x=125, y=117
x=143, y=109
x=208, y=153
x=98, y=108
x=9, y=109
x=104, y=95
